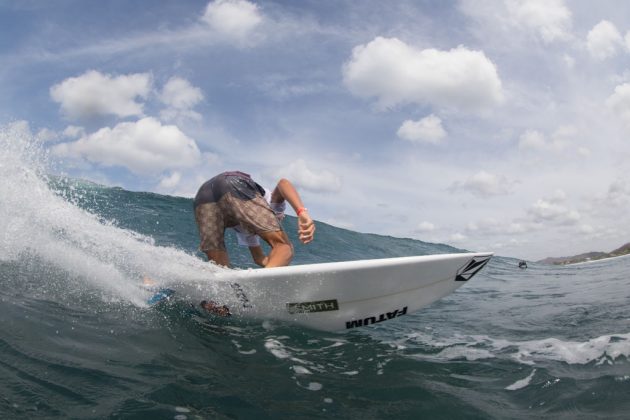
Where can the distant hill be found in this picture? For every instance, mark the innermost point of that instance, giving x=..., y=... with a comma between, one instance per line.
x=588, y=256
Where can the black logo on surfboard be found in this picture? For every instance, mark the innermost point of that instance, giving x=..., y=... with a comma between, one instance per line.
x=376, y=319
x=471, y=268
x=240, y=295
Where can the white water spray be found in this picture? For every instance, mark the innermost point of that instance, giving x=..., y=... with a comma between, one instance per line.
x=35, y=222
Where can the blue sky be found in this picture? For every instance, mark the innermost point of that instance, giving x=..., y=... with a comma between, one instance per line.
x=488, y=125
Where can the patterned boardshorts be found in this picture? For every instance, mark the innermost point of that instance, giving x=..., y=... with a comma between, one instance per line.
x=253, y=215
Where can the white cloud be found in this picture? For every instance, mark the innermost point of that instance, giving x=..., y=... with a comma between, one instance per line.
x=532, y=139
x=584, y=151
x=211, y=159
x=498, y=20
x=564, y=132
x=143, y=147
x=287, y=87
x=180, y=96
x=484, y=185
x=96, y=94
x=340, y=223
x=491, y=226
x=170, y=181
x=425, y=227
x=554, y=210
x=457, y=238
x=515, y=227
x=619, y=102
x=627, y=39
x=618, y=193
x=73, y=131
x=604, y=40
x=233, y=20
x=559, y=140
x=545, y=211
x=179, y=93
x=396, y=73
x=174, y=115
x=46, y=134
x=558, y=196
x=586, y=229
x=551, y=19
x=304, y=177
x=569, y=61
x=426, y=130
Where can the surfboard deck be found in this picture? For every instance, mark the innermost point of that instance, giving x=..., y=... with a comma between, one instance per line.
x=337, y=296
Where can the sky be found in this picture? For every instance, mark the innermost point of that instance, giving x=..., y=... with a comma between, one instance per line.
x=487, y=125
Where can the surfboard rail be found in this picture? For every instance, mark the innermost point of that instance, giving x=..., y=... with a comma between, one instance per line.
x=339, y=296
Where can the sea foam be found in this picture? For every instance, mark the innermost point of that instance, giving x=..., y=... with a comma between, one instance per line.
x=605, y=349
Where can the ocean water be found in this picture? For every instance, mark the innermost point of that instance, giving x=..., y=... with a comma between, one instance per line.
x=78, y=341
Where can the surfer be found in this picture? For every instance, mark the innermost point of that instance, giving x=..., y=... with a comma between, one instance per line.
x=235, y=200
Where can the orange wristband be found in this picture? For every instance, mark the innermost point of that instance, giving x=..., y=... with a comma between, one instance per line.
x=301, y=210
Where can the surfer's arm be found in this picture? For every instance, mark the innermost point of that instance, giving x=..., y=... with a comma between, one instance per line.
x=258, y=255
x=286, y=191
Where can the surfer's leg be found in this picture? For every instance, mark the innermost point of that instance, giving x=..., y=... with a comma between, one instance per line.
x=256, y=216
x=281, y=249
x=211, y=224
x=219, y=257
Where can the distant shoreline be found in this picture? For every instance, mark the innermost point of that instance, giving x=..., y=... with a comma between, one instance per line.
x=598, y=260
x=589, y=257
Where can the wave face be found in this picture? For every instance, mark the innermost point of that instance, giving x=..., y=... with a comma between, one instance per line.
x=77, y=339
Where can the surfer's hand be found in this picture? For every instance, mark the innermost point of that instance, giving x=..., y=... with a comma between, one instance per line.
x=306, y=227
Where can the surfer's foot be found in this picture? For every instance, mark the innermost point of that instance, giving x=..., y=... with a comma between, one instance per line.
x=214, y=308
x=162, y=295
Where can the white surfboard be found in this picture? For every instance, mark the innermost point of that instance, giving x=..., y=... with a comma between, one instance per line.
x=340, y=295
